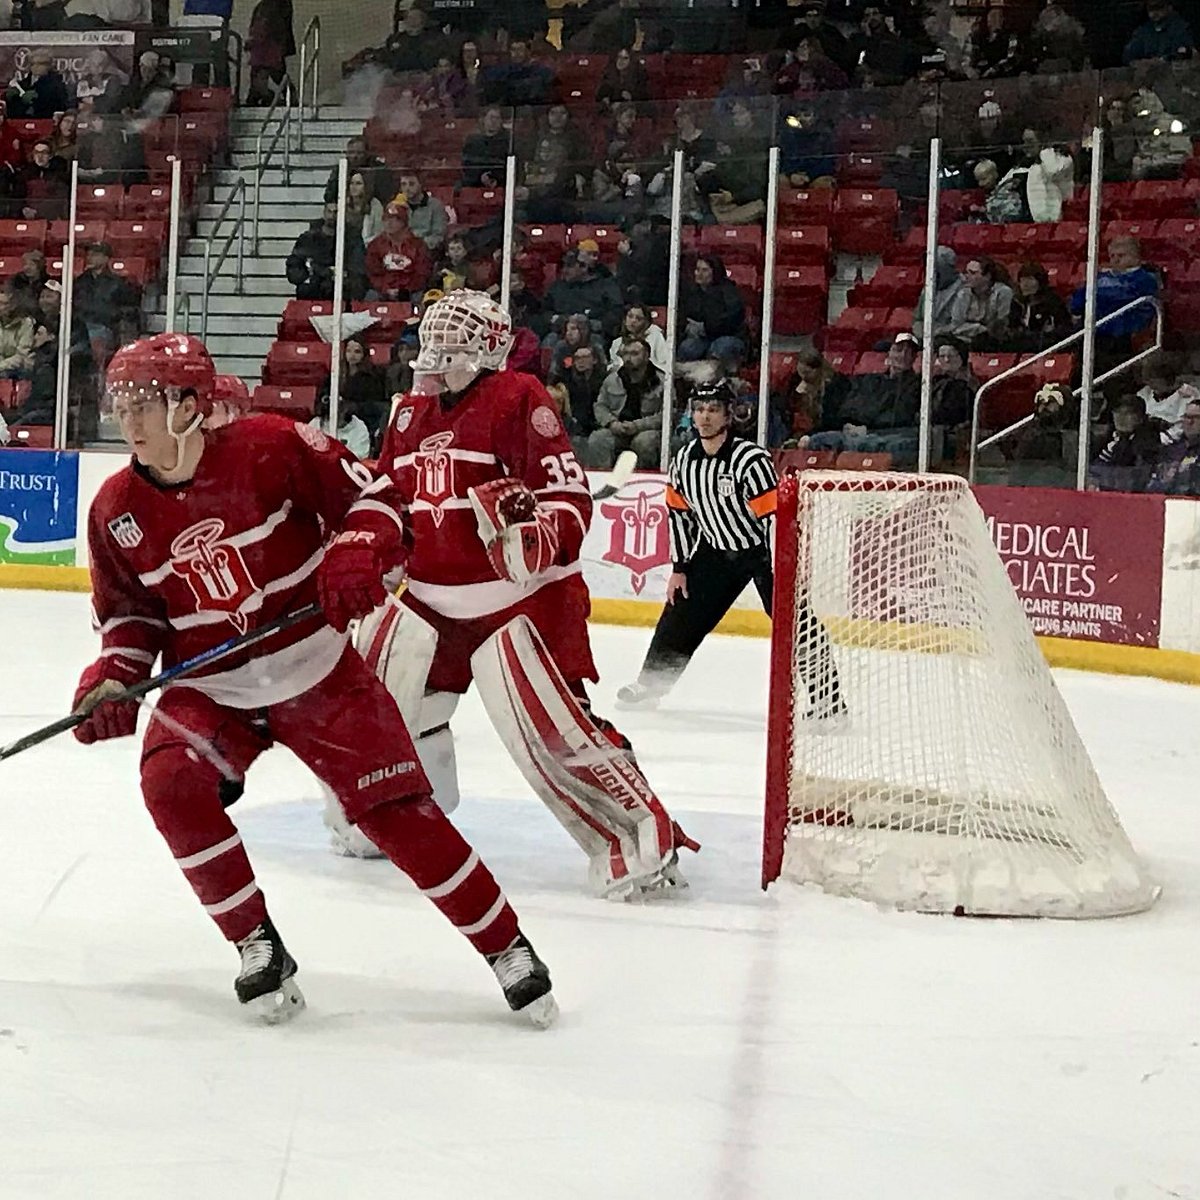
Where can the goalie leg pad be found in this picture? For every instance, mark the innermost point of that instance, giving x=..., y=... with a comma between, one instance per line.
x=592, y=786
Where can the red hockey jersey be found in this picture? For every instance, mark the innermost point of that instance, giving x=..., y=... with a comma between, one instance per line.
x=504, y=425
x=178, y=569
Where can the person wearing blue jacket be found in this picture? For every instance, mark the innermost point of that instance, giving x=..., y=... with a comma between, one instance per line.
x=1124, y=280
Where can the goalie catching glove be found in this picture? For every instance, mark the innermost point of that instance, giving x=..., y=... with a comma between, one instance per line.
x=106, y=718
x=521, y=537
x=350, y=577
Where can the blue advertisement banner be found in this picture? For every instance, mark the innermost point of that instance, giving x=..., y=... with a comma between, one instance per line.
x=39, y=499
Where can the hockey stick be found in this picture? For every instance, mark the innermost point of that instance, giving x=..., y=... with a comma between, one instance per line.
x=242, y=642
x=620, y=475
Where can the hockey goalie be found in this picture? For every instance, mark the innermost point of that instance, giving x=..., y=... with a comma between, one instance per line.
x=495, y=595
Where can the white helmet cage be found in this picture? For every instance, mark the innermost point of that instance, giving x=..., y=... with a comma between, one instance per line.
x=464, y=329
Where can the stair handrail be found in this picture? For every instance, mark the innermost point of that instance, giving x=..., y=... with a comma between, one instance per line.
x=263, y=161
x=183, y=303
x=310, y=64
x=1057, y=348
x=211, y=270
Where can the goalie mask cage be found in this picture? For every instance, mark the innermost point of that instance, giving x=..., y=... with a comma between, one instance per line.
x=955, y=781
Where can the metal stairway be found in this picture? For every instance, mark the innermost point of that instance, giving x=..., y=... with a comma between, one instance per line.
x=241, y=327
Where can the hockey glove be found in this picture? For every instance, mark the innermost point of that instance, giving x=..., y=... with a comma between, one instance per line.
x=350, y=577
x=520, y=536
x=107, y=718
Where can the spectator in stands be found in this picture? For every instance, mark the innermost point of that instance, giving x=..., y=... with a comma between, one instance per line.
x=364, y=213
x=810, y=25
x=1165, y=395
x=741, y=176
x=624, y=81
x=39, y=92
x=643, y=262
x=485, y=152
x=146, y=96
x=398, y=263
x=630, y=138
x=953, y=389
x=469, y=67
x=809, y=71
x=96, y=86
x=1124, y=280
x=426, y=214
x=1057, y=42
x=583, y=381
x=63, y=143
x=1003, y=201
x=103, y=298
x=1038, y=317
x=1162, y=143
x=747, y=80
x=1163, y=35
x=576, y=335
x=361, y=384
x=807, y=152
x=616, y=193
x=637, y=326
x=16, y=339
x=46, y=182
x=270, y=42
x=581, y=288
x=605, y=26
x=519, y=81
x=948, y=283
x=48, y=314
x=398, y=374
x=456, y=269
x=27, y=284
x=352, y=432
x=375, y=171
x=1127, y=460
x=310, y=264
x=524, y=307
x=629, y=411
x=997, y=51
x=549, y=187
x=797, y=410
x=877, y=53
x=980, y=311
x=878, y=412
x=712, y=316
x=415, y=46
x=1178, y=470
x=111, y=151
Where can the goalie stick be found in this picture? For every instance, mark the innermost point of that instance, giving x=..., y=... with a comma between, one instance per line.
x=178, y=671
x=620, y=475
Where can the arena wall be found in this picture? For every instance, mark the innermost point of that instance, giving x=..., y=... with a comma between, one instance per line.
x=1111, y=582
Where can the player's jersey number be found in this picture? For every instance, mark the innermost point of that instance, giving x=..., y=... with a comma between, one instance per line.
x=563, y=469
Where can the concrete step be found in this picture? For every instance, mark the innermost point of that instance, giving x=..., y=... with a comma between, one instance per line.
x=268, y=227
x=225, y=285
x=305, y=159
x=268, y=247
x=250, y=305
x=237, y=346
x=342, y=127
x=226, y=177
x=306, y=211
x=312, y=193
x=331, y=144
x=245, y=366
x=227, y=325
x=253, y=265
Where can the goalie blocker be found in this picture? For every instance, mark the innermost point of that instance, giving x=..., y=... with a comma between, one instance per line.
x=578, y=766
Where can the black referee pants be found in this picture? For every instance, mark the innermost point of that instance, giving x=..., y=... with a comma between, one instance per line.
x=715, y=579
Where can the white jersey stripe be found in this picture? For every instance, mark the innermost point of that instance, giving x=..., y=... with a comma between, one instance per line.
x=117, y=622
x=248, y=537
x=469, y=600
x=190, y=861
x=231, y=902
x=377, y=506
x=467, y=456
x=142, y=656
x=456, y=880
x=208, y=617
x=487, y=918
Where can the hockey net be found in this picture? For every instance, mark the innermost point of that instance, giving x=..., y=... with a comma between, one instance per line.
x=953, y=780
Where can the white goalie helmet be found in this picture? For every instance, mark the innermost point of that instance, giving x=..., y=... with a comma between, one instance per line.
x=462, y=334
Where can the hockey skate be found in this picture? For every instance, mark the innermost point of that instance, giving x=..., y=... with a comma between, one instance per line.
x=638, y=695
x=266, y=982
x=525, y=980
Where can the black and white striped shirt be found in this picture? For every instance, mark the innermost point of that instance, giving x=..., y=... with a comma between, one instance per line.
x=725, y=499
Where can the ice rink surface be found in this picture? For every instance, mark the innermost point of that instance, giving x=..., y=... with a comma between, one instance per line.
x=722, y=1046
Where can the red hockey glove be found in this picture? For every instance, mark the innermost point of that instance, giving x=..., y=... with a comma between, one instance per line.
x=107, y=718
x=350, y=577
x=520, y=536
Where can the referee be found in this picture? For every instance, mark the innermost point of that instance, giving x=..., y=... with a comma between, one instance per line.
x=721, y=500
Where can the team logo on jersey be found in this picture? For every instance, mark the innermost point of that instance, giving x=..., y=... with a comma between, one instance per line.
x=314, y=437
x=725, y=486
x=639, y=535
x=127, y=533
x=215, y=571
x=435, y=473
x=545, y=421
x=404, y=418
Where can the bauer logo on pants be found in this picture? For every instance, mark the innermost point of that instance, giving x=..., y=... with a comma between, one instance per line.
x=400, y=768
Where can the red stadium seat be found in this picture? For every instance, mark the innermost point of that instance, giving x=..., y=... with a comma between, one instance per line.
x=871, y=362
x=733, y=243
x=801, y=300
x=27, y=132
x=295, y=326
x=1064, y=277
x=392, y=318
x=911, y=249
x=1164, y=198
x=144, y=239
x=1024, y=241
x=18, y=236
x=802, y=246
x=806, y=207
x=10, y=265
x=605, y=236
x=546, y=242
x=858, y=329
x=299, y=403
x=854, y=460
x=85, y=232
x=30, y=437
x=204, y=99
x=1135, y=229
x=297, y=363
x=864, y=220
x=1056, y=368
x=701, y=75
x=792, y=462
x=780, y=367
x=103, y=201
x=147, y=202
x=579, y=76
x=860, y=171
x=1175, y=238
x=136, y=270
x=890, y=286
x=842, y=361
x=476, y=206
x=1067, y=242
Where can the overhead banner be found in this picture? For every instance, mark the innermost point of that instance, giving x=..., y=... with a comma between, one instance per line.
x=1085, y=565
x=101, y=58
x=39, y=496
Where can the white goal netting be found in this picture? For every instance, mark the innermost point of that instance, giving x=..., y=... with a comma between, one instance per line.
x=954, y=780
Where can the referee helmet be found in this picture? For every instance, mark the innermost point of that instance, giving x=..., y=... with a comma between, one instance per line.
x=713, y=391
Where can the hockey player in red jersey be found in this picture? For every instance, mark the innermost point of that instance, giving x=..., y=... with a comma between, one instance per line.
x=207, y=534
x=499, y=506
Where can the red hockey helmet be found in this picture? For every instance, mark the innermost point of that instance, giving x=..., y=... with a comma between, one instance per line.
x=167, y=364
x=230, y=400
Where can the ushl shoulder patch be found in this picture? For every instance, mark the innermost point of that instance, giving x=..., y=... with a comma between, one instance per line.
x=314, y=437
x=545, y=421
x=126, y=531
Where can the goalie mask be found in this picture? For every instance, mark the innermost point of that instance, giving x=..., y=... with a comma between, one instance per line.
x=462, y=334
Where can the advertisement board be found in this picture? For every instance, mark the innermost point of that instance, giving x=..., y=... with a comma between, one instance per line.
x=39, y=492
x=102, y=58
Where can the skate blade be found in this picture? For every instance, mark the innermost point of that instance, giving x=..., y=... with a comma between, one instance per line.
x=276, y=1008
x=543, y=1011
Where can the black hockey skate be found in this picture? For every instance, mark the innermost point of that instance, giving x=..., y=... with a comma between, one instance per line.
x=266, y=981
x=526, y=982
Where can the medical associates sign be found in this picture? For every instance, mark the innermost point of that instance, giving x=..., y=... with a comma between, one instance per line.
x=1084, y=564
